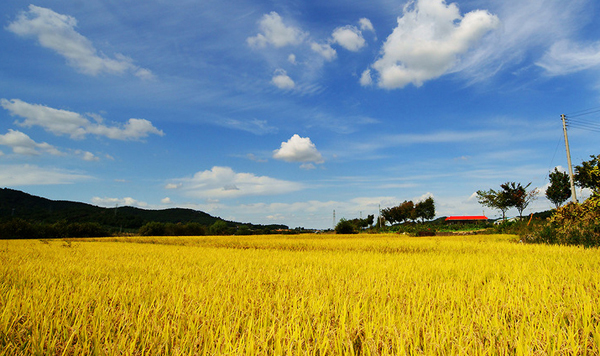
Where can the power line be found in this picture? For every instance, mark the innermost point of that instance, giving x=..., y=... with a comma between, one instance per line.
x=583, y=124
x=584, y=112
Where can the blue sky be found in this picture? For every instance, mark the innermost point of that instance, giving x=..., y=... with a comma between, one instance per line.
x=282, y=112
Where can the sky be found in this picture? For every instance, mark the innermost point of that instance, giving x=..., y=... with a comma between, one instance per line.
x=282, y=112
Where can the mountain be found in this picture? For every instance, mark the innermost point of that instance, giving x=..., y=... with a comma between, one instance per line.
x=18, y=204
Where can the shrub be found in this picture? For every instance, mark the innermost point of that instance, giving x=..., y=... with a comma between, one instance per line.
x=572, y=224
x=153, y=229
x=345, y=227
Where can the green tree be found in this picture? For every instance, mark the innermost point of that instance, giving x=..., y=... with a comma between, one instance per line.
x=153, y=229
x=219, y=228
x=495, y=200
x=587, y=175
x=518, y=196
x=425, y=210
x=345, y=227
x=559, y=190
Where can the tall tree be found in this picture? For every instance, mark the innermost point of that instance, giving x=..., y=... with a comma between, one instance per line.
x=425, y=210
x=519, y=197
x=587, y=175
x=495, y=200
x=559, y=190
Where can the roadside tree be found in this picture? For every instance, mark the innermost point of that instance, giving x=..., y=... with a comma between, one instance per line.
x=495, y=200
x=559, y=190
x=587, y=175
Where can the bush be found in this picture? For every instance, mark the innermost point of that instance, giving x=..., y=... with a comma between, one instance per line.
x=572, y=224
x=153, y=229
x=345, y=227
x=219, y=228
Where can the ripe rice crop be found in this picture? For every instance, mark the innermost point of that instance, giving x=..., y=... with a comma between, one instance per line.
x=298, y=295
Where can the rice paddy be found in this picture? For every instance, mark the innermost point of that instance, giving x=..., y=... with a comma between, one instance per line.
x=298, y=295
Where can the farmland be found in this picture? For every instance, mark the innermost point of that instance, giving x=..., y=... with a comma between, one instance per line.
x=301, y=295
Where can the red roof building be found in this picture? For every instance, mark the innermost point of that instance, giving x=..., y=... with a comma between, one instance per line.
x=480, y=218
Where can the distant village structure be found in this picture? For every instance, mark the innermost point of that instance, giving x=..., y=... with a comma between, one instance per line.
x=466, y=219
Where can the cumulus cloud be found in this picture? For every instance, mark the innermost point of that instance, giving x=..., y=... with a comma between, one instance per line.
x=21, y=175
x=298, y=149
x=282, y=80
x=77, y=126
x=566, y=57
x=275, y=32
x=57, y=32
x=224, y=182
x=427, y=41
x=24, y=145
x=348, y=37
x=110, y=202
x=325, y=50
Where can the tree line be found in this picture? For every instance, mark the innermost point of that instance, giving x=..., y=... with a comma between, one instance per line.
x=515, y=195
x=423, y=210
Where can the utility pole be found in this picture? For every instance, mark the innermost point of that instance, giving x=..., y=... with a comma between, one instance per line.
x=334, y=219
x=564, y=122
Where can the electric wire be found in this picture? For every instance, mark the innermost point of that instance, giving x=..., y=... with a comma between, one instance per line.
x=584, y=112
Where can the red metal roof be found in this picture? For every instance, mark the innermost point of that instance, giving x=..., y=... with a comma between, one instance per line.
x=454, y=218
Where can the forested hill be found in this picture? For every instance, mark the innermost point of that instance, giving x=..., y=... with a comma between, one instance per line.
x=18, y=204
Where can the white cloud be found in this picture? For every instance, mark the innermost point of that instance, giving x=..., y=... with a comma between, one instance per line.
x=325, y=50
x=427, y=41
x=282, y=80
x=527, y=26
x=276, y=33
x=566, y=57
x=57, y=32
x=366, y=25
x=223, y=182
x=298, y=149
x=292, y=58
x=87, y=156
x=24, y=145
x=366, y=79
x=307, y=166
x=21, y=175
x=111, y=202
x=348, y=37
x=173, y=186
x=75, y=125
x=255, y=126
x=253, y=157
x=166, y=201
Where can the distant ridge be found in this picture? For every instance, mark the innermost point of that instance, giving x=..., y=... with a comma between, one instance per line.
x=18, y=204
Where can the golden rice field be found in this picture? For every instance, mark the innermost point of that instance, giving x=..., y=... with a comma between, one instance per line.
x=298, y=295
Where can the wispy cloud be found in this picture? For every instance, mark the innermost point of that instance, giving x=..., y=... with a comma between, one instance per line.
x=566, y=57
x=25, y=174
x=224, y=182
x=526, y=27
x=77, y=126
x=57, y=32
